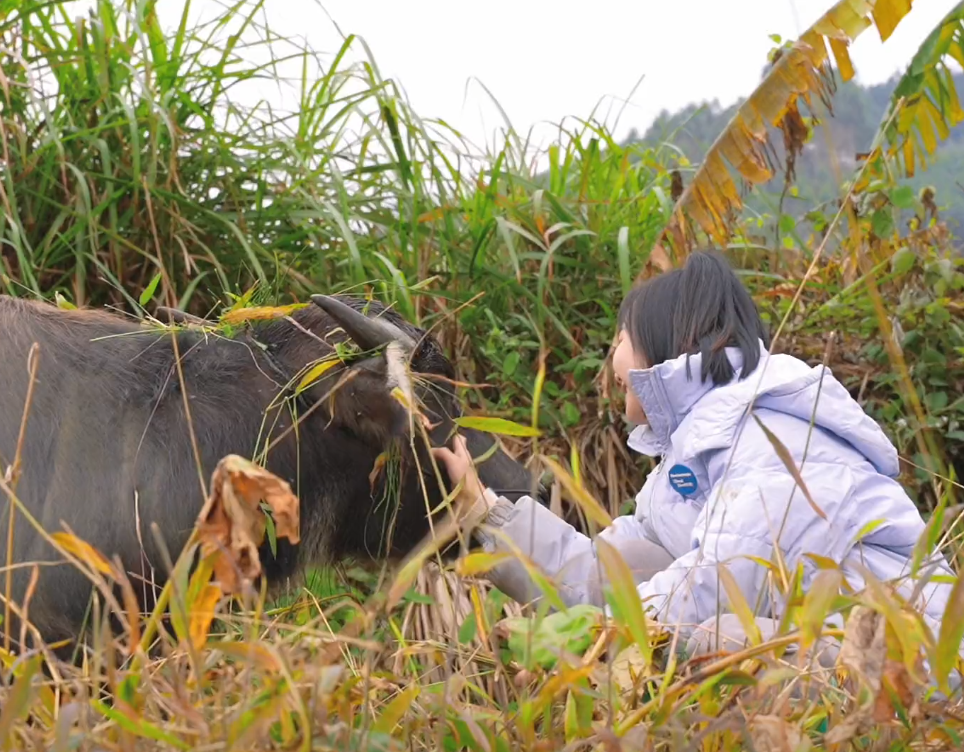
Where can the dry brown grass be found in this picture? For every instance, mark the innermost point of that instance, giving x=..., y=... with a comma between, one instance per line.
x=404, y=681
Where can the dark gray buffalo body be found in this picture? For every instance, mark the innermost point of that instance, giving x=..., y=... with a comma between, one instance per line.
x=107, y=448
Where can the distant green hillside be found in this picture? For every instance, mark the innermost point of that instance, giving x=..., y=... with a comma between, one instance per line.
x=829, y=158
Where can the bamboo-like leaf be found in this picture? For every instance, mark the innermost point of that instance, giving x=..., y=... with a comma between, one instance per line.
x=395, y=710
x=924, y=105
x=481, y=621
x=83, y=551
x=625, y=596
x=761, y=561
x=202, y=614
x=255, y=653
x=906, y=623
x=867, y=529
x=577, y=492
x=63, y=303
x=267, y=706
x=149, y=291
x=575, y=464
x=823, y=562
x=543, y=583
x=478, y=563
x=784, y=454
x=927, y=542
x=17, y=700
x=951, y=634
x=315, y=373
x=800, y=72
x=497, y=426
x=571, y=716
x=259, y=313
x=408, y=571
x=739, y=605
x=538, y=387
x=138, y=726
x=561, y=680
x=578, y=714
x=817, y=603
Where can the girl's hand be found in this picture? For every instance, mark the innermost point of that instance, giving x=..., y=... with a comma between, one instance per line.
x=461, y=469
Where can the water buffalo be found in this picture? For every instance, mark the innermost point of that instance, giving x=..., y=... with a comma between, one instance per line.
x=107, y=447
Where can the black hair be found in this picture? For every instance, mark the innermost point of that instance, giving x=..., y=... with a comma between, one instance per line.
x=701, y=307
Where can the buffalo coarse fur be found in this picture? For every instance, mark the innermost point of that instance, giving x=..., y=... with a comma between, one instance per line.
x=107, y=448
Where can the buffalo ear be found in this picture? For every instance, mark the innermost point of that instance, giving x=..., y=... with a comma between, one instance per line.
x=364, y=404
x=361, y=402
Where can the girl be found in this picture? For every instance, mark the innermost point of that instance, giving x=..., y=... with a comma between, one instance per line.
x=707, y=398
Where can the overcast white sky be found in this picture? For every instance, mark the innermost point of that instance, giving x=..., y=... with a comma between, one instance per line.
x=546, y=60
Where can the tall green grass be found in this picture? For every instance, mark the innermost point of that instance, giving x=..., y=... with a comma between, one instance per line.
x=129, y=155
x=133, y=156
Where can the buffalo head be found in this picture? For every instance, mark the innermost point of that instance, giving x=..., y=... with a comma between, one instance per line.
x=368, y=398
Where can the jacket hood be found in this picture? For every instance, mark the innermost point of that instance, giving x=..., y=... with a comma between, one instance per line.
x=691, y=416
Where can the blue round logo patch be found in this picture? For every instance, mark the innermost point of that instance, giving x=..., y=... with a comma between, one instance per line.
x=683, y=480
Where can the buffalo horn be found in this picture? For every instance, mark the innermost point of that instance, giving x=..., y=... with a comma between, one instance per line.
x=368, y=333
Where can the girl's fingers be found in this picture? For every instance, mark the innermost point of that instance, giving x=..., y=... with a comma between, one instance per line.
x=441, y=453
x=464, y=448
x=458, y=463
x=455, y=465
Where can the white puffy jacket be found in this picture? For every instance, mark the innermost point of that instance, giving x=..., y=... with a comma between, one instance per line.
x=723, y=494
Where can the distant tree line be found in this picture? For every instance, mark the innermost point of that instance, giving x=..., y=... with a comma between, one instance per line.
x=831, y=155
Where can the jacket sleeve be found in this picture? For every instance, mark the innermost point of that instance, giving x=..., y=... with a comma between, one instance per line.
x=744, y=519
x=561, y=552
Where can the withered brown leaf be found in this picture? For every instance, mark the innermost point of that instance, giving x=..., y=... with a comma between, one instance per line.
x=232, y=523
x=771, y=733
x=874, y=673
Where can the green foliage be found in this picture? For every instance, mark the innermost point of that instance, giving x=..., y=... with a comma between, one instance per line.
x=924, y=105
x=924, y=288
x=541, y=643
x=128, y=156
